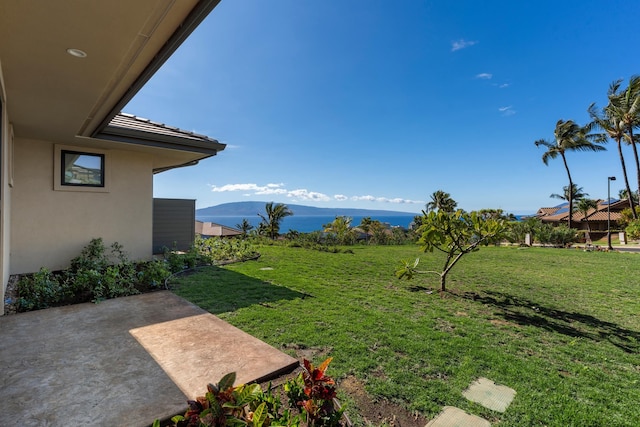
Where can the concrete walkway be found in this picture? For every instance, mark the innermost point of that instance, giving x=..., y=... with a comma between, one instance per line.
x=123, y=362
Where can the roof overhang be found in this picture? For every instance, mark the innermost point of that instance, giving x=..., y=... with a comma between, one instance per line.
x=54, y=96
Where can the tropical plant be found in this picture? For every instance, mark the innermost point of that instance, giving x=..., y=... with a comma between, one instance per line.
x=441, y=201
x=622, y=195
x=614, y=128
x=517, y=230
x=274, y=214
x=584, y=206
x=454, y=234
x=341, y=227
x=633, y=229
x=569, y=136
x=224, y=405
x=245, y=226
x=624, y=106
x=577, y=193
x=313, y=392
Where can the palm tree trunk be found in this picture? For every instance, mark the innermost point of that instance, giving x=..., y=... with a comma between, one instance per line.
x=635, y=155
x=566, y=166
x=626, y=179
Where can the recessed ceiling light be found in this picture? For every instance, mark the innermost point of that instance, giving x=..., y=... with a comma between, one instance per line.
x=77, y=53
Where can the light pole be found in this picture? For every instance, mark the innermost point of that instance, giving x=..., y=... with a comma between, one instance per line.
x=609, y=179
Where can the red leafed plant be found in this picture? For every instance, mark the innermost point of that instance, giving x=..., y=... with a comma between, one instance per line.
x=314, y=393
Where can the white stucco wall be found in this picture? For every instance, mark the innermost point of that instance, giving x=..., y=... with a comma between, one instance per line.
x=49, y=227
x=5, y=192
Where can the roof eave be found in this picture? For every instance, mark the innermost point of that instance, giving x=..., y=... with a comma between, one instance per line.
x=197, y=15
x=117, y=134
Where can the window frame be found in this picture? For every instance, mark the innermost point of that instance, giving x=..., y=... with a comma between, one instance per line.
x=59, y=169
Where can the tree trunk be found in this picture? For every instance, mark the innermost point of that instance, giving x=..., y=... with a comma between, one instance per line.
x=635, y=155
x=443, y=279
x=566, y=166
x=626, y=180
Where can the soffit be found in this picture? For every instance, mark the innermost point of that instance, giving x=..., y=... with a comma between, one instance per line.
x=54, y=96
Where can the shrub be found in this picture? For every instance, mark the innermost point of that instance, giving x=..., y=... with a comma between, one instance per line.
x=154, y=273
x=633, y=229
x=40, y=290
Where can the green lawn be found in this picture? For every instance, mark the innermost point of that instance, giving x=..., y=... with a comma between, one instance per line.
x=561, y=327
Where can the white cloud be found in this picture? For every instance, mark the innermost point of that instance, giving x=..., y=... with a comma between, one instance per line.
x=461, y=44
x=365, y=198
x=504, y=85
x=303, y=194
x=252, y=189
x=484, y=76
x=507, y=111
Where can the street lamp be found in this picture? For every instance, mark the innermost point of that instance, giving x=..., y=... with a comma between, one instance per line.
x=609, y=179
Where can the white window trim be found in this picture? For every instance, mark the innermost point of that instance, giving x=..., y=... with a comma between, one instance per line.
x=57, y=166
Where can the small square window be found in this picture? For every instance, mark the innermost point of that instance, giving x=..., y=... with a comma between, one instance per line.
x=82, y=169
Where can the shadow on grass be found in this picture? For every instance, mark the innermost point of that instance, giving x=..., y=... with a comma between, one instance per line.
x=220, y=291
x=525, y=312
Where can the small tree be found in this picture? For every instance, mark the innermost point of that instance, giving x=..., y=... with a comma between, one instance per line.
x=245, y=226
x=584, y=207
x=454, y=234
x=270, y=224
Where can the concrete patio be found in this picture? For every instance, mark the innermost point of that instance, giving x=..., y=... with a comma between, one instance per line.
x=123, y=362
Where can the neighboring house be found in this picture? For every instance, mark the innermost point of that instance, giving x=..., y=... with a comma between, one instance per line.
x=211, y=229
x=597, y=217
x=72, y=167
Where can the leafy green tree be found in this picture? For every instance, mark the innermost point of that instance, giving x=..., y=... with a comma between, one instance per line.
x=441, y=201
x=496, y=214
x=270, y=224
x=455, y=235
x=569, y=136
x=584, y=206
x=614, y=128
x=245, y=226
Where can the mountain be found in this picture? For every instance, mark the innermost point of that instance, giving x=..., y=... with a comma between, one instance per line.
x=253, y=208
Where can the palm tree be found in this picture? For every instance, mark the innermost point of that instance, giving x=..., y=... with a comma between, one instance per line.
x=441, y=201
x=245, y=226
x=569, y=136
x=625, y=107
x=341, y=227
x=576, y=194
x=622, y=194
x=584, y=206
x=274, y=216
x=614, y=129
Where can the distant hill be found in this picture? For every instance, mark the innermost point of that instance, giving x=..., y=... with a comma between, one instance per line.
x=253, y=208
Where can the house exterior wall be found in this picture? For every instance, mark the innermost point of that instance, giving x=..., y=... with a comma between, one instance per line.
x=5, y=190
x=51, y=227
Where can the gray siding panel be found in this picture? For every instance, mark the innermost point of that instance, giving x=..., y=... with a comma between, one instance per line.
x=173, y=224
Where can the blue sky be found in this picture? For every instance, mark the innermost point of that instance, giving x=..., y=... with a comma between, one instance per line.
x=377, y=104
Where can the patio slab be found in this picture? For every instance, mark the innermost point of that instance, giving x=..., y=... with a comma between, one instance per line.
x=455, y=417
x=490, y=395
x=123, y=362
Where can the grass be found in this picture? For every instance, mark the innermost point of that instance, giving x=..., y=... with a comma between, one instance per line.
x=561, y=327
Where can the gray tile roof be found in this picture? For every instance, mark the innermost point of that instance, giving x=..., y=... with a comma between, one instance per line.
x=131, y=129
x=139, y=124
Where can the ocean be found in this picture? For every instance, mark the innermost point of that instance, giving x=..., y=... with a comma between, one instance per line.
x=304, y=224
